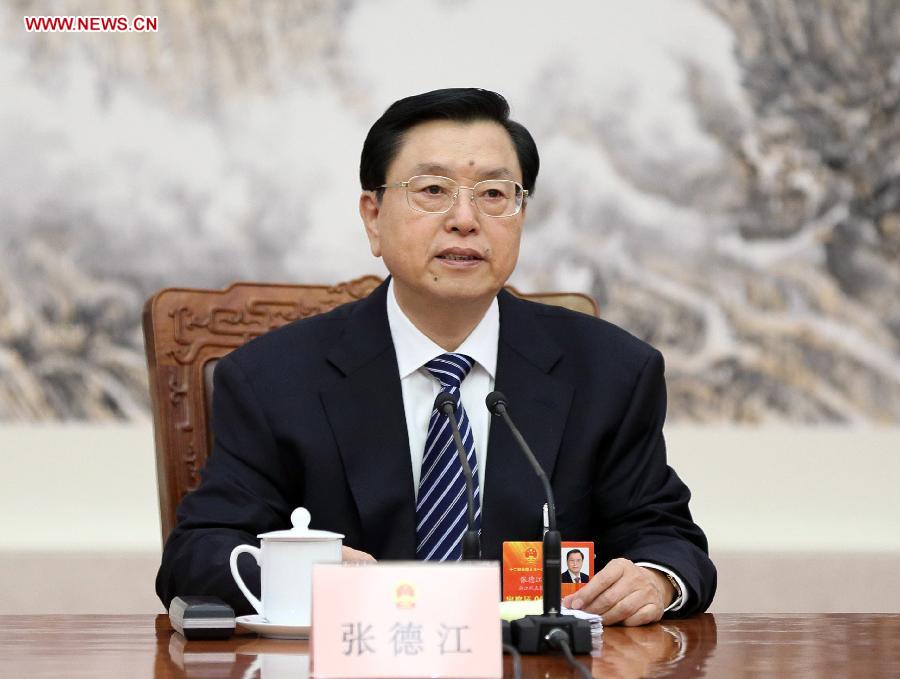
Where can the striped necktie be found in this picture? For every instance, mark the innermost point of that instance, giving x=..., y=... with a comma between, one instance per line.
x=441, y=504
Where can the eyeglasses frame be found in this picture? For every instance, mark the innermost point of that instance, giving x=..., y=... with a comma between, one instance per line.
x=459, y=187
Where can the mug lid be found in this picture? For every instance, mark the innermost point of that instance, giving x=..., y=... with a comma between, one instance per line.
x=300, y=518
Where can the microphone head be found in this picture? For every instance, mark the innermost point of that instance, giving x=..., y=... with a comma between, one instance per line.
x=445, y=402
x=496, y=402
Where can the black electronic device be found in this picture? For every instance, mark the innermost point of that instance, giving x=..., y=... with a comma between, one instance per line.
x=540, y=633
x=446, y=403
x=201, y=617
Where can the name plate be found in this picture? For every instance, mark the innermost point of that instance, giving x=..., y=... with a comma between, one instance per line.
x=406, y=619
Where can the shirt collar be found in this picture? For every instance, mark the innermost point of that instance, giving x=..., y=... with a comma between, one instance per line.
x=414, y=349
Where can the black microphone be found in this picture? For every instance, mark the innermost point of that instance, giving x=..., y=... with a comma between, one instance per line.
x=496, y=403
x=471, y=545
x=532, y=633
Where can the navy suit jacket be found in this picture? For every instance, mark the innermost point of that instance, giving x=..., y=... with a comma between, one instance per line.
x=312, y=415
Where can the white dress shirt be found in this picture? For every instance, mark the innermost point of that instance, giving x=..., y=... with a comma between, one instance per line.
x=420, y=388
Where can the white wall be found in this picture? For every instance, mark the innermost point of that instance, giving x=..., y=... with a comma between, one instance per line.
x=798, y=519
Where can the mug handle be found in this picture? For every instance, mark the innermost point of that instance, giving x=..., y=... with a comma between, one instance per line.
x=235, y=553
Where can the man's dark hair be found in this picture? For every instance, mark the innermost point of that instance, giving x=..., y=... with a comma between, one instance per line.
x=460, y=104
x=574, y=551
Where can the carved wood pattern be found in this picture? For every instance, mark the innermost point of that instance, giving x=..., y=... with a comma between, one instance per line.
x=184, y=329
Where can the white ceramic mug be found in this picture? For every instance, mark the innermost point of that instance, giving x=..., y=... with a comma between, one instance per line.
x=285, y=560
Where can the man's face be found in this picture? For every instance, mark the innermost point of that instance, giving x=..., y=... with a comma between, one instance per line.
x=574, y=562
x=461, y=255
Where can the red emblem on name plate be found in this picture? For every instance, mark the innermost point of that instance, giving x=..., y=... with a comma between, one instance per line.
x=405, y=595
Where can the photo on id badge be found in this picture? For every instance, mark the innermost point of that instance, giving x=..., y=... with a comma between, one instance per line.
x=577, y=566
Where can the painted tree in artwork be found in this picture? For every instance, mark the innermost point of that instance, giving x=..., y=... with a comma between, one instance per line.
x=775, y=291
x=820, y=154
x=819, y=201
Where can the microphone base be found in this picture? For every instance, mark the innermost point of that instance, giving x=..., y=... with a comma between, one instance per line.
x=471, y=546
x=528, y=633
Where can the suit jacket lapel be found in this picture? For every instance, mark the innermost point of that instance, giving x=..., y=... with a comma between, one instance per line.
x=539, y=405
x=366, y=414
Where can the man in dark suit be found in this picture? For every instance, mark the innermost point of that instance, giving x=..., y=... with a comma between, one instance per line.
x=573, y=574
x=334, y=412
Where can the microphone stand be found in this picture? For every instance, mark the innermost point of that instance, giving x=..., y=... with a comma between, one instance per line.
x=471, y=542
x=538, y=633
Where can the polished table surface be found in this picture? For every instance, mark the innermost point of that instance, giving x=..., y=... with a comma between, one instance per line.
x=133, y=646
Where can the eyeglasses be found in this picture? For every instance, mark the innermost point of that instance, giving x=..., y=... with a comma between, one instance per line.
x=436, y=195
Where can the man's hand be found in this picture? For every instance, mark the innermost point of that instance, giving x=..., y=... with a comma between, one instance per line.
x=350, y=555
x=623, y=592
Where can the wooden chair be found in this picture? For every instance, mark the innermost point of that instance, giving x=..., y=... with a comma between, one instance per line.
x=186, y=331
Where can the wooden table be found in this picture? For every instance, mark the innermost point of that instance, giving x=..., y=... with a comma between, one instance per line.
x=134, y=646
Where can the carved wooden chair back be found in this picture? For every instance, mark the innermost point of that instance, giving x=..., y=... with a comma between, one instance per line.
x=186, y=331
